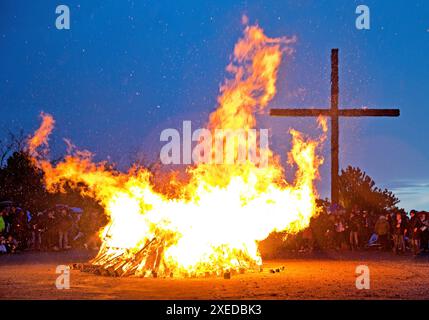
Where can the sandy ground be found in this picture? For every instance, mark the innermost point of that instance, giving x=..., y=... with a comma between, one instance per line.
x=321, y=276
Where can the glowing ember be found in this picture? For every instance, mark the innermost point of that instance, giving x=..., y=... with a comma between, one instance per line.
x=214, y=221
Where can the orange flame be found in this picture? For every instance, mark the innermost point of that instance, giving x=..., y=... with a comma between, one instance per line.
x=41, y=136
x=216, y=218
x=323, y=123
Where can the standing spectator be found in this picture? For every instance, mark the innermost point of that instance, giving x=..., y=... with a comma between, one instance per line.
x=2, y=223
x=7, y=219
x=329, y=234
x=19, y=227
x=3, y=248
x=339, y=232
x=50, y=230
x=354, y=227
x=36, y=231
x=382, y=229
x=64, y=226
x=399, y=230
x=365, y=230
x=424, y=232
x=90, y=225
x=415, y=231
x=390, y=237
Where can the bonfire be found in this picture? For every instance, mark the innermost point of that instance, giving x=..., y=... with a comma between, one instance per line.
x=213, y=222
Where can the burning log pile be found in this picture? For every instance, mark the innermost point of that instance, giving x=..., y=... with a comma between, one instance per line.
x=148, y=262
x=122, y=262
x=116, y=262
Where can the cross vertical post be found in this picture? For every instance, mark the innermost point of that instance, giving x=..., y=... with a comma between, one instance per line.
x=334, y=127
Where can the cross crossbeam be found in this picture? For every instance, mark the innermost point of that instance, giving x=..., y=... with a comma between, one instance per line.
x=341, y=112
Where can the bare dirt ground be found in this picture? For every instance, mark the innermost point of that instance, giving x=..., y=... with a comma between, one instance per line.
x=315, y=276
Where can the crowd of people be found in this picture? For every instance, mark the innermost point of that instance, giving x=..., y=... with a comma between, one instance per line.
x=54, y=229
x=63, y=228
x=360, y=230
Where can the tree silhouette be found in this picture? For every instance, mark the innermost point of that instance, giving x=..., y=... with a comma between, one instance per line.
x=22, y=182
x=357, y=188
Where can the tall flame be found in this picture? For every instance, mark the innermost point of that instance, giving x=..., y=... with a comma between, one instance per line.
x=214, y=221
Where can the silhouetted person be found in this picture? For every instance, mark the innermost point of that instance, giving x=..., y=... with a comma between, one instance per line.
x=415, y=231
x=382, y=229
x=64, y=225
x=424, y=231
x=50, y=234
x=390, y=237
x=36, y=226
x=340, y=230
x=399, y=230
x=19, y=227
x=354, y=226
x=365, y=229
x=2, y=223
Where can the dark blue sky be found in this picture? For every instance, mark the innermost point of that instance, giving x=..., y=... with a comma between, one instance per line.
x=129, y=69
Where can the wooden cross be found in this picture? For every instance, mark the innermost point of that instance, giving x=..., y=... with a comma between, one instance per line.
x=334, y=113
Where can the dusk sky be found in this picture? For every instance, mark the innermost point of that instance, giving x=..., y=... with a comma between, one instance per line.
x=126, y=70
